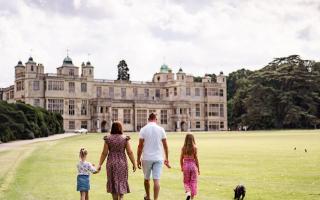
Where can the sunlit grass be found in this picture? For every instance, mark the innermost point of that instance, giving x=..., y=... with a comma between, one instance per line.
x=263, y=161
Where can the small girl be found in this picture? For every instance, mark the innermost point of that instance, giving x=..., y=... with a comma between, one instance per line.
x=190, y=166
x=84, y=169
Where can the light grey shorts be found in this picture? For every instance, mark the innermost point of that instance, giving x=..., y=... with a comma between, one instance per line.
x=154, y=166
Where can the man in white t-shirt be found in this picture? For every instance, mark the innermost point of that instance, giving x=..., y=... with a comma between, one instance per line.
x=152, y=141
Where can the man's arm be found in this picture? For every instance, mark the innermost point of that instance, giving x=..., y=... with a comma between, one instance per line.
x=139, y=152
x=166, y=152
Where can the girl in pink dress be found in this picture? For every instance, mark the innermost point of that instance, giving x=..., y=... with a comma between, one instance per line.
x=190, y=166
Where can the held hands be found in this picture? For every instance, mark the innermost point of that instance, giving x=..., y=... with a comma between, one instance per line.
x=139, y=164
x=134, y=168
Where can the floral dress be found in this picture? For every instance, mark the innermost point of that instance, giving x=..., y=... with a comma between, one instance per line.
x=117, y=165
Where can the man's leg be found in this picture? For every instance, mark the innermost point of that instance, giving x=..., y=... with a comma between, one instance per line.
x=156, y=188
x=147, y=188
x=146, y=167
x=156, y=174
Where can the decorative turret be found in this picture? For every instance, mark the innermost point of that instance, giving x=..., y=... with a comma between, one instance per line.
x=67, y=68
x=87, y=70
x=19, y=70
x=221, y=78
x=181, y=75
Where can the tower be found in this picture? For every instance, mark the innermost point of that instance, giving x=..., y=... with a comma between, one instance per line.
x=87, y=70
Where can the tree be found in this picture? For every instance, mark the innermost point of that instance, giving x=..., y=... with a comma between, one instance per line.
x=123, y=71
x=283, y=94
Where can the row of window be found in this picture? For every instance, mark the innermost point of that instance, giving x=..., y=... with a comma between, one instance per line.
x=208, y=92
x=211, y=125
x=59, y=85
x=142, y=116
x=72, y=125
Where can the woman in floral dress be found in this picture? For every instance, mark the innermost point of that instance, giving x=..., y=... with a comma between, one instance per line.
x=115, y=146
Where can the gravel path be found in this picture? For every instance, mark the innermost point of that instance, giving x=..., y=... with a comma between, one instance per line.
x=15, y=144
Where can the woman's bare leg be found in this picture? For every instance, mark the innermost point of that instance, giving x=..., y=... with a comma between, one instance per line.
x=120, y=196
x=114, y=196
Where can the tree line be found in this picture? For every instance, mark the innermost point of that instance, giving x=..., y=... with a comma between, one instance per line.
x=285, y=94
x=22, y=121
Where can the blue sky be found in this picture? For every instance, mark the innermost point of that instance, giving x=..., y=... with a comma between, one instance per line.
x=201, y=36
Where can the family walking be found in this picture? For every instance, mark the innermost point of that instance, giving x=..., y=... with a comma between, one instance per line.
x=150, y=158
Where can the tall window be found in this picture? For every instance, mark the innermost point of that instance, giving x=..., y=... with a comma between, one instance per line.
x=55, y=105
x=72, y=125
x=158, y=93
x=83, y=87
x=123, y=93
x=135, y=92
x=175, y=91
x=36, y=102
x=213, y=110
x=197, y=91
x=164, y=117
x=127, y=116
x=198, y=125
x=55, y=85
x=114, y=115
x=221, y=125
x=111, y=92
x=72, y=87
x=197, y=110
x=19, y=85
x=188, y=91
x=84, y=124
x=221, y=93
x=36, y=85
x=71, y=72
x=99, y=91
x=146, y=92
x=213, y=92
x=141, y=118
x=213, y=125
x=221, y=110
x=71, y=107
x=167, y=92
x=84, y=105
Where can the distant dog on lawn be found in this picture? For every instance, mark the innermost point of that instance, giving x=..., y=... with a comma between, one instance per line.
x=239, y=192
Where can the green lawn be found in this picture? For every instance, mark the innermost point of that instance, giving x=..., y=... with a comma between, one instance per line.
x=264, y=162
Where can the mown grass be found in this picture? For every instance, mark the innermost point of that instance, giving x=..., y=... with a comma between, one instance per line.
x=263, y=161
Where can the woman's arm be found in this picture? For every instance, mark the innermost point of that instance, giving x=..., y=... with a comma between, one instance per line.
x=103, y=156
x=181, y=159
x=131, y=156
x=196, y=159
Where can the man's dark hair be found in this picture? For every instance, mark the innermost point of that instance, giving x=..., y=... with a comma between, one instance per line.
x=152, y=117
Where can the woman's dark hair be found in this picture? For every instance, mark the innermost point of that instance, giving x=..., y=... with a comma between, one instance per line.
x=116, y=128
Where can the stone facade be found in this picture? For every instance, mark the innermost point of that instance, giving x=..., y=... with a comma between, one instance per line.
x=180, y=102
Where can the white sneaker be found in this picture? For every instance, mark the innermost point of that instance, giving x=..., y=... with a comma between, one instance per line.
x=188, y=194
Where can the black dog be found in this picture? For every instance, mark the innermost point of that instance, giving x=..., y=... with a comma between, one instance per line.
x=239, y=192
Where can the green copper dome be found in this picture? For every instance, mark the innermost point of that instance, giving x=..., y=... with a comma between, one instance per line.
x=67, y=60
x=165, y=69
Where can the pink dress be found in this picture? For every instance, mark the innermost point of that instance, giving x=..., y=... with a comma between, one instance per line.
x=190, y=175
x=117, y=165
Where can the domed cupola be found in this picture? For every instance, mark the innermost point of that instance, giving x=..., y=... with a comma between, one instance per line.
x=88, y=63
x=180, y=70
x=67, y=61
x=164, y=68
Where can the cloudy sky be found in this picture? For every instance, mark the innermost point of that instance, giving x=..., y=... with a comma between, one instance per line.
x=198, y=35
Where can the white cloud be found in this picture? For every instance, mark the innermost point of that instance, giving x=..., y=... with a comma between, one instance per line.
x=200, y=36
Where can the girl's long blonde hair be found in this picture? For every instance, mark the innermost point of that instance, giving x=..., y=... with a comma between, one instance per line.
x=189, y=145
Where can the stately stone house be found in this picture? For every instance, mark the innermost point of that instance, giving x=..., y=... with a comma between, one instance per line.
x=181, y=102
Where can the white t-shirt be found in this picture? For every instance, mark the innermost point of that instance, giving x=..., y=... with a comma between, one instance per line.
x=84, y=168
x=153, y=147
